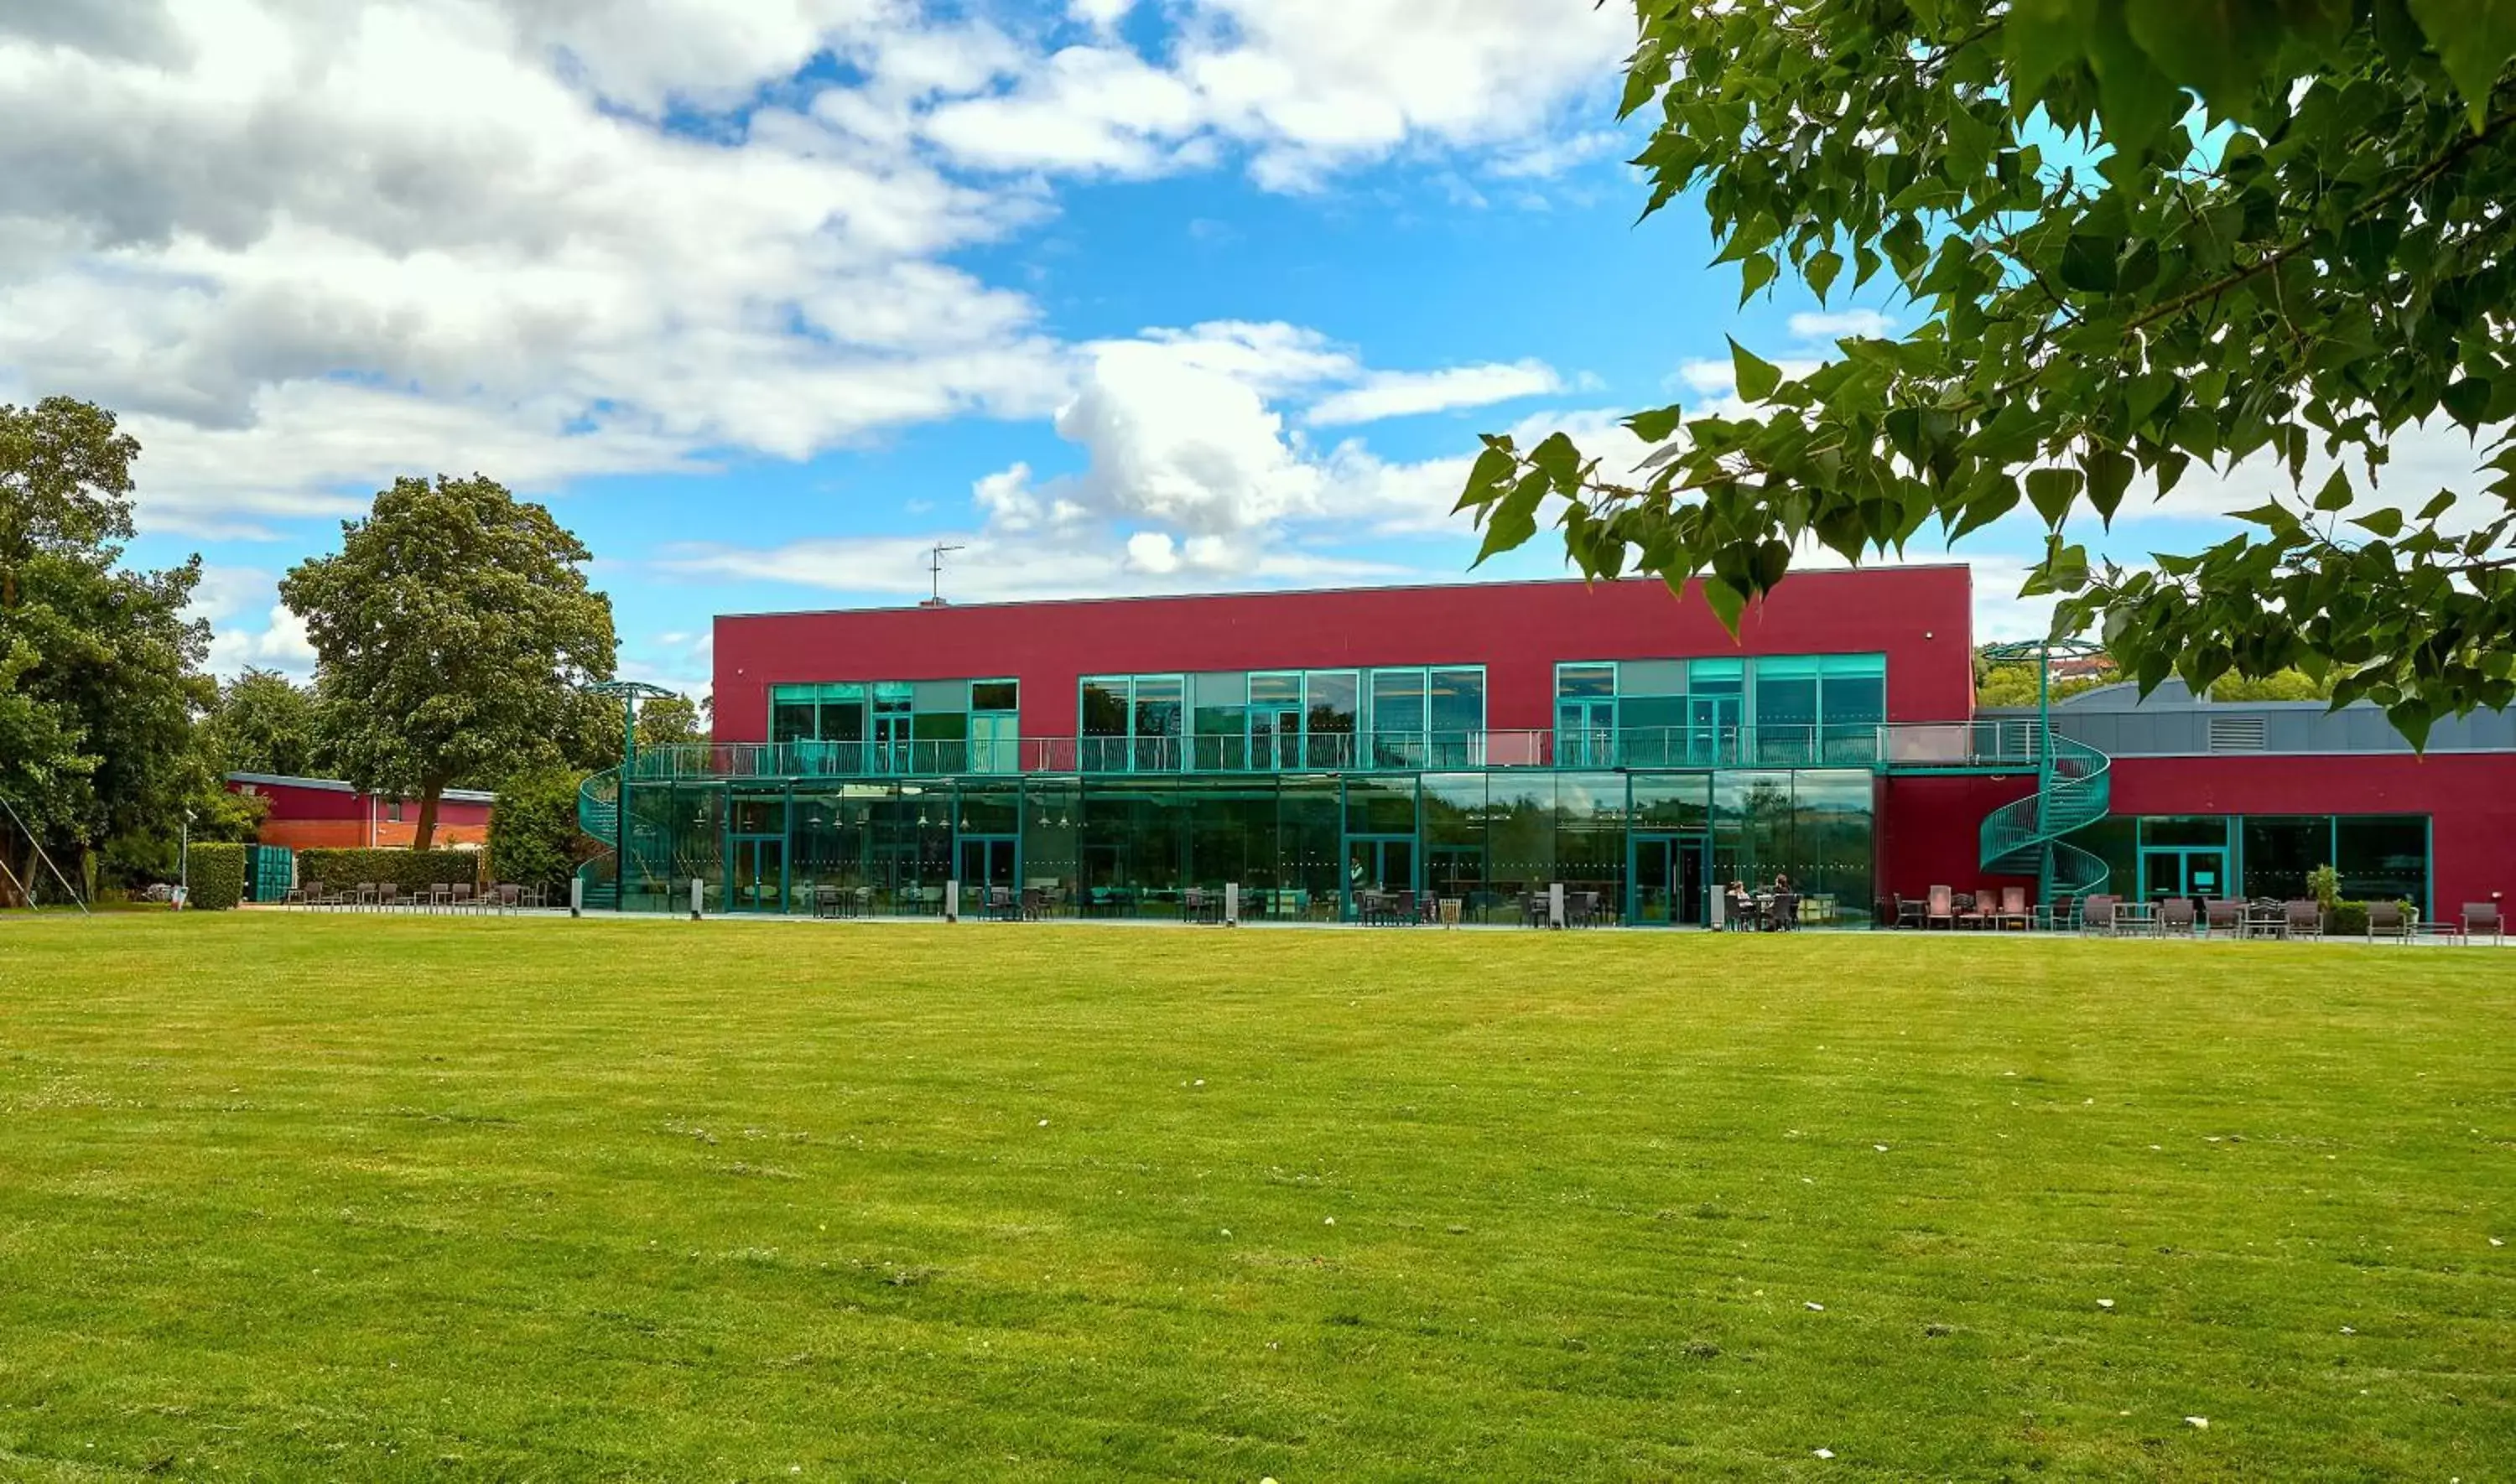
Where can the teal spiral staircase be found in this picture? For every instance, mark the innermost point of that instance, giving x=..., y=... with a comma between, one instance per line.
x=2025, y=838
x=597, y=814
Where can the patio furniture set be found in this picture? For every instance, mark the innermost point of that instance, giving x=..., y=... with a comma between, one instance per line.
x=388, y=896
x=2108, y=916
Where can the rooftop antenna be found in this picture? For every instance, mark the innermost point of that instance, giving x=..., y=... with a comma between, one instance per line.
x=935, y=574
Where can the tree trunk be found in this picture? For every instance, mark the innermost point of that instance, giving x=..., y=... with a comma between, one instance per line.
x=424, y=833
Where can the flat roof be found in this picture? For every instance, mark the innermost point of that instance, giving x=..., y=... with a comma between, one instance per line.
x=337, y=786
x=1371, y=587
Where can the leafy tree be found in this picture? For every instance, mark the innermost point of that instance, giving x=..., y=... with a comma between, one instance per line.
x=2015, y=685
x=264, y=722
x=2283, y=686
x=452, y=630
x=673, y=721
x=64, y=485
x=2142, y=235
x=534, y=838
x=100, y=664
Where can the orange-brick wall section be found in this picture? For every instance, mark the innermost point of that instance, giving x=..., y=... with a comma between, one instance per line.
x=351, y=834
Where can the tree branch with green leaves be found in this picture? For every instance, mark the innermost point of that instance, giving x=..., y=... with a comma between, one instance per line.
x=2140, y=238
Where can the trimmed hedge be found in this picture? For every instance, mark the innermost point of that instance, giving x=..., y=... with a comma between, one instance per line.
x=217, y=874
x=410, y=870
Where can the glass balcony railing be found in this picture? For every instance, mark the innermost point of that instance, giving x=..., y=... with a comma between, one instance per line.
x=2004, y=743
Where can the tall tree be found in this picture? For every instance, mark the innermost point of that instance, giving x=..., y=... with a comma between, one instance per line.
x=670, y=721
x=100, y=664
x=452, y=631
x=264, y=722
x=2143, y=235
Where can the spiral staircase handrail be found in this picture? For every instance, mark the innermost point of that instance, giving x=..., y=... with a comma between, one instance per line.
x=2026, y=836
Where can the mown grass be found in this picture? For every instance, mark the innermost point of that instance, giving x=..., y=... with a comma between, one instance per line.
x=340, y=1197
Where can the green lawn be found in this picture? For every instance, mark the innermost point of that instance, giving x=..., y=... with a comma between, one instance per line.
x=349, y=1197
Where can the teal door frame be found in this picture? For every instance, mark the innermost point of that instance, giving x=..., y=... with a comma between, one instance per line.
x=988, y=846
x=1376, y=875
x=1585, y=731
x=2216, y=859
x=749, y=849
x=1680, y=846
x=1713, y=728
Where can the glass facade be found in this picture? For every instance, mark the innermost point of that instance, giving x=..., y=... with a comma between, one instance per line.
x=1402, y=718
x=1301, y=845
x=1780, y=711
x=2379, y=858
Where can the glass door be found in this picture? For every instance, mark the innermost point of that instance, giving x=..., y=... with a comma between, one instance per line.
x=1585, y=733
x=759, y=875
x=2199, y=872
x=1378, y=864
x=988, y=862
x=1666, y=876
x=891, y=739
x=1712, y=730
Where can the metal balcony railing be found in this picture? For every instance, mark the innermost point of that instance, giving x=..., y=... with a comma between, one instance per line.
x=2006, y=743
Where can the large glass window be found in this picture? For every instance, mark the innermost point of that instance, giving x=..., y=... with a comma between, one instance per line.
x=1852, y=706
x=1787, y=709
x=1398, y=718
x=1458, y=717
x=2281, y=851
x=1334, y=698
x=2383, y=858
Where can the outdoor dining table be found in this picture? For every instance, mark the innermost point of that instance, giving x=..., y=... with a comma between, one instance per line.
x=2138, y=916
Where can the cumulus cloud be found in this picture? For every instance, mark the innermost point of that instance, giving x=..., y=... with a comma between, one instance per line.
x=306, y=247
x=1842, y=324
x=1403, y=393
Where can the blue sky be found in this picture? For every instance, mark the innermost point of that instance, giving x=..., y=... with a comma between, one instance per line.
x=765, y=296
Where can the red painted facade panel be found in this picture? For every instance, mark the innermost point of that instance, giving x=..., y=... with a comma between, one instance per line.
x=1930, y=832
x=301, y=818
x=2469, y=796
x=1920, y=617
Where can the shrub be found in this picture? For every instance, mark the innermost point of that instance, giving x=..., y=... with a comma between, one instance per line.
x=2346, y=919
x=410, y=870
x=217, y=876
x=534, y=838
x=2324, y=883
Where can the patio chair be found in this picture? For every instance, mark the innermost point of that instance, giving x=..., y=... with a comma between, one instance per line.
x=1940, y=908
x=388, y=896
x=2059, y=915
x=303, y=895
x=1973, y=910
x=440, y=895
x=462, y=898
x=1035, y=903
x=2175, y=914
x=2224, y=915
x=2483, y=917
x=2013, y=907
x=2385, y=920
x=1786, y=910
x=363, y=894
x=1581, y=909
x=2097, y=913
x=2302, y=920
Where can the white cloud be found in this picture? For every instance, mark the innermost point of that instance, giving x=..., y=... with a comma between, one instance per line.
x=1403, y=393
x=1842, y=324
x=306, y=247
x=1547, y=158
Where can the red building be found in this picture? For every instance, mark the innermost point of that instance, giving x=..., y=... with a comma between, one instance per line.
x=1326, y=750
x=323, y=813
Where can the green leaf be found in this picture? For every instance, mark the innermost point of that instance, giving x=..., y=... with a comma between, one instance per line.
x=2110, y=472
x=2041, y=38
x=1560, y=460
x=1485, y=481
x=2090, y=264
x=1756, y=378
x=1727, y=601
x=2335, y=494
x=2052, y=491
x=2439, y=503
x=1754, y=274
x=2384, y=522
x=2467, y=401
x=1819, y=270
x=2474, y=39
x=1656, y=425
x=1513, y=520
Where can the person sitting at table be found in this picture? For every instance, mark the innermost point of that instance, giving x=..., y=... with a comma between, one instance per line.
x=1787, y=902
x=1742, y=907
